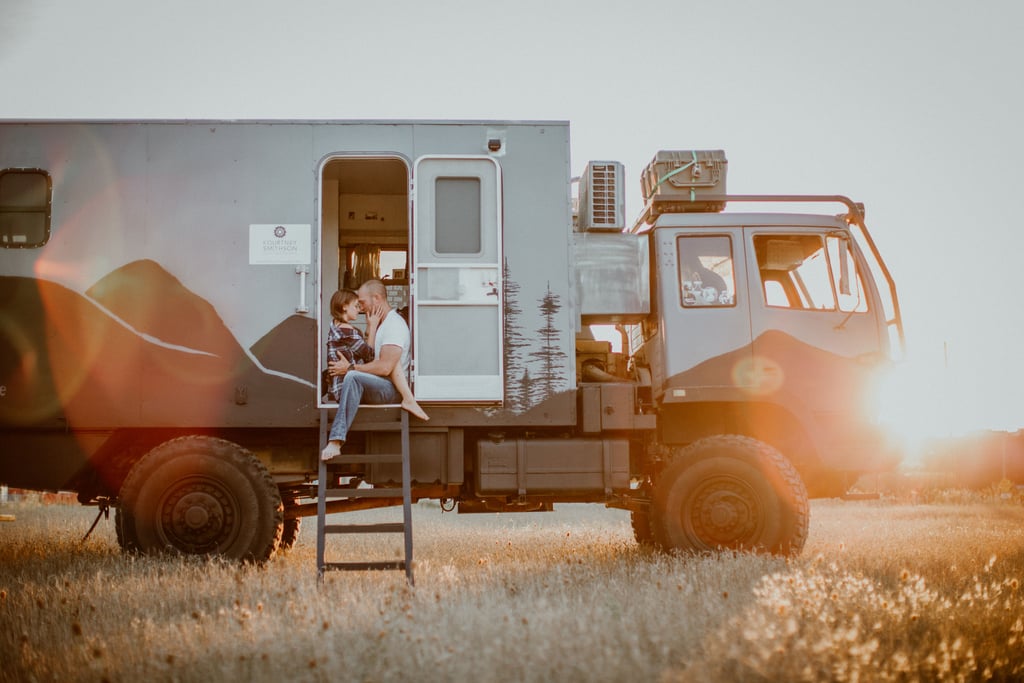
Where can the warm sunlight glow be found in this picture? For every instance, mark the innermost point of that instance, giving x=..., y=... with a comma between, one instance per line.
x=918, y=401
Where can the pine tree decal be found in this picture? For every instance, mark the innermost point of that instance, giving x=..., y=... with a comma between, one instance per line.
x=514, y=343
x=550, y=358
x=522, y=397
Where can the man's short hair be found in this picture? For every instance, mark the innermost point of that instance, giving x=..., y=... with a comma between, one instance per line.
x=375, y=288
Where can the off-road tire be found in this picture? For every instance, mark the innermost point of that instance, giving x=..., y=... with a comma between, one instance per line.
x=200, y=495
x=640, y=520
x=730, y=492
x=122, y=521
x=289, y=530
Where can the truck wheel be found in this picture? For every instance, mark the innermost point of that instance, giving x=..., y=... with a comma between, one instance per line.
x=641, y=522
x=730, y=492
x=290, y=533
x=199, y=495
x=290, y=530
x=126, y=541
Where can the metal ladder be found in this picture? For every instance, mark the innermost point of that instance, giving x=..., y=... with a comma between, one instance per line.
x=323, y=493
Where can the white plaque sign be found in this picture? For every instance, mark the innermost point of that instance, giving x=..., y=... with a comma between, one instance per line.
x=279, y=244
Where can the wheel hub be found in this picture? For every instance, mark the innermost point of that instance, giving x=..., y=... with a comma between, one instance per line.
x=725, y=513
x=197, y=517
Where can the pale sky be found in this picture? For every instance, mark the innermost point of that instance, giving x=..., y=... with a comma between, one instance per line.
x=913, y=108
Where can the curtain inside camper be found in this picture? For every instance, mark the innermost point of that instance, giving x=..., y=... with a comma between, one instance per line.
x=365, y=263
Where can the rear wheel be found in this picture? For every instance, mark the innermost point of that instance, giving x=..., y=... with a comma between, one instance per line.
x=730, y=492
x=200, y=495
x=122, y=522
x=290, y=529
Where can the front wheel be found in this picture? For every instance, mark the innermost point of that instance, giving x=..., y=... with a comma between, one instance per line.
x=199, y=495
x=730, y=492
x=640, y=520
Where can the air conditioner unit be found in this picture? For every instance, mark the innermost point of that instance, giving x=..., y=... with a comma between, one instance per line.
x=602, y=204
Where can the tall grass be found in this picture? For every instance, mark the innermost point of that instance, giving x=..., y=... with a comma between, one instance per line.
x=882, y=592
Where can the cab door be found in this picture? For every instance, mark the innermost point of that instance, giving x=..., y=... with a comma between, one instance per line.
x=456, y=286
x=815, y=336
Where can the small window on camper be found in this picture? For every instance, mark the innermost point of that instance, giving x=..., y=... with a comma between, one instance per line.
x=24, y=208
x=706, y=277
x=394, y=265
x=457, y=220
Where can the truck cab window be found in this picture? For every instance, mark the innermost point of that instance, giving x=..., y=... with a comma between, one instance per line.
x=706, y=276
x=807, y=272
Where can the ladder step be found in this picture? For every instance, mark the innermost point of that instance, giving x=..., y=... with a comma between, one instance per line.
x=365, y=458
x=363, y=493
x=393, y=564
x=379, y=426
x=379, y=528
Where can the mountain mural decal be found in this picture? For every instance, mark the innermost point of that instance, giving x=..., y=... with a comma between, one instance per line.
x=140, y=350
x=155, y=302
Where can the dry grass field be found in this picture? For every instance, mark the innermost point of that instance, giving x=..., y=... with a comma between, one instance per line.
x=883, y=591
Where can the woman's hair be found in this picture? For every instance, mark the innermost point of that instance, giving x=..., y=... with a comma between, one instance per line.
x=341, y=299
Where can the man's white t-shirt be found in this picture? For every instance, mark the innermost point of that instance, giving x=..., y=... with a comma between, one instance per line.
x=393, y=331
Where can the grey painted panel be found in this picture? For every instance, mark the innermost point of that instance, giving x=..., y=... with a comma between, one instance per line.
x=181, y=195
x=452, y=349
x=612, y=276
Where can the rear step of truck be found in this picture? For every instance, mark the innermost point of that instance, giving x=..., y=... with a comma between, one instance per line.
x=324, y=493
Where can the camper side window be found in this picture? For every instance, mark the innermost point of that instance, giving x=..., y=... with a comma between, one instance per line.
x=25, y=197
x=457, y=220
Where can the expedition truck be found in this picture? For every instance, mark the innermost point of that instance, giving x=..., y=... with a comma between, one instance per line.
x=164, y=307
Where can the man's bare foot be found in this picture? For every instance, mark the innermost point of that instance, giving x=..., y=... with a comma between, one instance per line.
x=332, y=449
x=413, y=407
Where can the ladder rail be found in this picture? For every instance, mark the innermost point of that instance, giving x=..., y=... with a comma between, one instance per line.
x=324, y=492
x=407, y=497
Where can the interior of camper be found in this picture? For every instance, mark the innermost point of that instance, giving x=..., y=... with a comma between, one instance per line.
x=365, y=224
x=455, y=248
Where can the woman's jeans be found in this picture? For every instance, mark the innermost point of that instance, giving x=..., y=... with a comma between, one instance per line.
x=360, y=387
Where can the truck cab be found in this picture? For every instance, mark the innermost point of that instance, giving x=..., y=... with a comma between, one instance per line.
x=766, y=324
x=756, y=353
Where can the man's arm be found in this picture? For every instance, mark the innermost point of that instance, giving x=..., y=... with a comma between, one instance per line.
x=383, y=366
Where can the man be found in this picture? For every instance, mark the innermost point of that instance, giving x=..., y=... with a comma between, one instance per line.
x=370, y=383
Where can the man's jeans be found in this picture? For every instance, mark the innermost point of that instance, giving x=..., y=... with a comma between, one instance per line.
x=360, y=387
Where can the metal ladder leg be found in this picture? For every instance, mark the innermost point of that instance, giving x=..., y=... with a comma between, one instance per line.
x=407, y=498
x=321, y=499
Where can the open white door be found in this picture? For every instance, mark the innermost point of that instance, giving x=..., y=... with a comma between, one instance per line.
x=456, y=279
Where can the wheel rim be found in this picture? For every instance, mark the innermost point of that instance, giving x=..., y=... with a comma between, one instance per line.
x=724, y=512
x=197, y=516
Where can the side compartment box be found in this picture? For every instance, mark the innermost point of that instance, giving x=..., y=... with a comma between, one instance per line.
x=607, y=406
x=436, y=457
x=537, y=466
